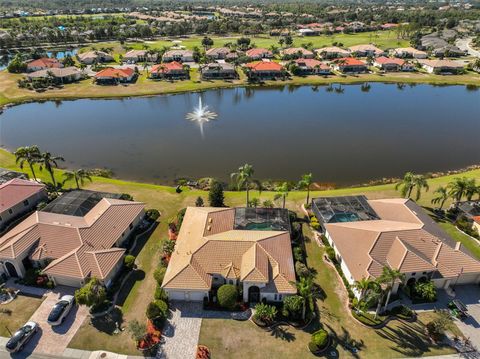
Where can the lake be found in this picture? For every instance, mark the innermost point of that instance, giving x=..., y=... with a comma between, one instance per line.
x=345, y=135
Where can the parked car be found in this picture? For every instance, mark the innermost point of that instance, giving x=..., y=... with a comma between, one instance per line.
x=21, y=337
x=60, y=310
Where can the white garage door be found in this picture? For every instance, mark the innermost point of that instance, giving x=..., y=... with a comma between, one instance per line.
x=186, y=296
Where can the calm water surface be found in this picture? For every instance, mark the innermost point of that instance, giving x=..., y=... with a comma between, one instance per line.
x=346, y=138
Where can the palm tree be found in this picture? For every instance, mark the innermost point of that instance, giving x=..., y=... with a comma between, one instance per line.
x=441, y=196
x=471, y=189
x=29, y=155
x=389, y=276
x=363, y=286
x=411, y=181
x=49, y=162
x=244, y=178
x=305, y=290
x=255, y=202
x=305, y=182
x=79, y=176
x=283, y=191
x=458, y=188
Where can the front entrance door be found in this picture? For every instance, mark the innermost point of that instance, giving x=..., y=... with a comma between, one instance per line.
x=253, y=294
x=12, y=272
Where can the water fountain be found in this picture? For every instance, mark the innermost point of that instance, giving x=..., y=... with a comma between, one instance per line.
x=201, y=114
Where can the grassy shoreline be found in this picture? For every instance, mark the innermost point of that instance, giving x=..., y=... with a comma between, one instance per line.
x=11, y=95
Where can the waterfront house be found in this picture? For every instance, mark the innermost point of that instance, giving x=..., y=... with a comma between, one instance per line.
x=43, y=64
x=134, y=56
x=77, y=236
x=441, y=67
x=297, y=52
x=350, y=65
x=219, y=246
x=258, y=54
x=409, y=52
x=366, y=50
x=178, y=56
x=265, y=70
x=368, y=235
x=311, y=67
x=392, y=64
x=61, y=75
x=94, y=57
x=216, y=70
x=111, y=76
x=170, y=70
x=18, y=197
x=332, y=52
x=221, y=53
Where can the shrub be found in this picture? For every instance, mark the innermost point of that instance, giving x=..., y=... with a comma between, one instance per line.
x=331, y=254
x=215, y=195
x=427, y=291
x=137, y=330
x=160, y=294
x=158, y=274
x=292, y=306
x=301, y=270
x=298, y=254
x=265, y=313
x=199, y=202
x=152, y=214
x=91, y=294
x=319, y=340
x=168, y=247
x=180, y=216
x=126, y=197
x=129, y=261
x=157, y=309
x=227, y=296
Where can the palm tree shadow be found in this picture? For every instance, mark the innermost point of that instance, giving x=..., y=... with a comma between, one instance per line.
x=281, y=332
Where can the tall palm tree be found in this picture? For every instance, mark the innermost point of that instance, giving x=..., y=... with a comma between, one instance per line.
x=79, y=176
x=363, y=286
x=471, y=188
x=389, y=276
x=49, y=162
x=305, y=182
x=29, y=155
x=283, y=191
x=441, y=196
x=458, y=188
x=411, y=181
x=305, y=290
x=244, y=179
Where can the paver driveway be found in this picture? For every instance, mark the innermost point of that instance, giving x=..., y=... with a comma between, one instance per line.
x=54, y=340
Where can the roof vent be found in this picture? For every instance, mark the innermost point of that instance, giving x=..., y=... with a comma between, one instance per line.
x=210, y=220
x=209, y=228
x=68, y=224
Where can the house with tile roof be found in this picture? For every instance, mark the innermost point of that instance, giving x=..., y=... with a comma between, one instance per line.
x=366, y=50
x=332, y=52
x=18, y=197
x=311, y=67
x=178, y=55
x=259, y=53
x=350, y=65
x=43, y=64
x=134, y=56
x=368, y=235
x=215, y=70
x=111, y=75
x=91, y=57
x=297, y=52
x=71, y=248
x=264, y=70
x=409, y=52
x=221, y=53
x=216, y=246
x=169, y=70
x=441, y=67
x=392, y=64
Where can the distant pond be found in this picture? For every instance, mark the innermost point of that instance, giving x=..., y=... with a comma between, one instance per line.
x=346, y=135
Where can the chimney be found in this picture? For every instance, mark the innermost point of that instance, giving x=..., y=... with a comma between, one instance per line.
x=457, y=246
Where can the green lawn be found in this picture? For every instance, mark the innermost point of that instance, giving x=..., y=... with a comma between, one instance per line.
x=22, y=309
x=168, y=203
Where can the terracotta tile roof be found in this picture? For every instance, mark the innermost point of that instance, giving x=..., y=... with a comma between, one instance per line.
x=115, y=73
x=409, y=50
x=167, y=67
x=476, y=219
x=332, y=49
x=17, y=190
x=45, y=62
x=207, y=244
x=56, y=72
x=365, y=48
x=258, y=52
x=77, y=246
x=264, y=66
x=218, y=50
x=441, y=63
x=383, y=60
x=350, y=61
x=401, y=239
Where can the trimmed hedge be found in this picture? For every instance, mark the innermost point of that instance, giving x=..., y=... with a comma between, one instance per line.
x=159, y=274
x=157, y=309
x=227, y=296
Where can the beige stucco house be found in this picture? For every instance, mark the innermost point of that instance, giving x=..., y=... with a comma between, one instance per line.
x=212, y=249
x=70, y=248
